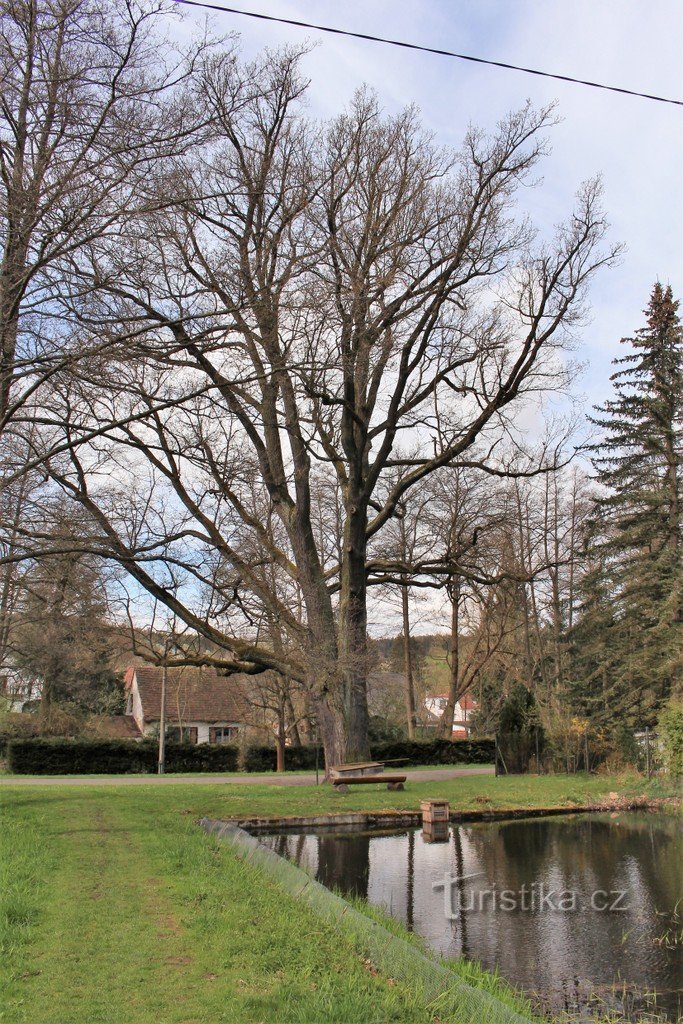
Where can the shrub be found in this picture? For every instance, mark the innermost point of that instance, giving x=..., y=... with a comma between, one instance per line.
x=381, y=730
x=436, y=751
x=263, y=758
x=670, y=728
x=16, y=726
x=43, y=756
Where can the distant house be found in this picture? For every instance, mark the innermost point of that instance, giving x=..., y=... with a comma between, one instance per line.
x=462, y=717
x=16, y=689
x=201, y=706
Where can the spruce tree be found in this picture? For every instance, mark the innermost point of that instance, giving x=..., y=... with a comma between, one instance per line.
x=638, y=465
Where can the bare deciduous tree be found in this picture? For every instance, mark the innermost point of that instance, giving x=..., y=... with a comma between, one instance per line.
x=91, y=103
x=306, y=300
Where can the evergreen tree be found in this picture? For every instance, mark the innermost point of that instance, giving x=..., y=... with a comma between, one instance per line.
x=637, y=643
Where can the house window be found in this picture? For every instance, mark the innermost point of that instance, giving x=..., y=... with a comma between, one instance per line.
x=223, y=734
x=176, y=734
x=129, y=704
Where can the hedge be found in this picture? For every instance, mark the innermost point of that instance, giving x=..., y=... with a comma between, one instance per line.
x=263, y=758
x=436, y=751
x=42, y=756
x=51, y=756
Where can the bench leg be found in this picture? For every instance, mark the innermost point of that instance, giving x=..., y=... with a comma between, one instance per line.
x=395, y=785
x=341, y=788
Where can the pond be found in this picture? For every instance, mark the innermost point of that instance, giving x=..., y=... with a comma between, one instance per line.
x=580, y=911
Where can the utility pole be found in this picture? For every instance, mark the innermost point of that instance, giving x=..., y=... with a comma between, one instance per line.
x=408, y=663
x=162, y=713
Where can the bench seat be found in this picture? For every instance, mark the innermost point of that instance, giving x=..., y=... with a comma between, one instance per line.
x=392, y=781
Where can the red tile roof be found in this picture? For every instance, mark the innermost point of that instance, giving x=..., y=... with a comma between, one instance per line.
x=192, y=694
x=118, y=727
x=466, y=702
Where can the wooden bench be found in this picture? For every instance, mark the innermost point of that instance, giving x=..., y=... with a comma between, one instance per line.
x=393, y=781
x=355, y=769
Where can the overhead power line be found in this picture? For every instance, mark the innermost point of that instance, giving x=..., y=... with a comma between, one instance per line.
x=429, y=49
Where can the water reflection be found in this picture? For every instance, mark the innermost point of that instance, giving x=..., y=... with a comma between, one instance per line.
x=569, y=960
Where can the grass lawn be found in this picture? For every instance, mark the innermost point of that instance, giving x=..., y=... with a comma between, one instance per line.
x=117, y=909
x=476, y=792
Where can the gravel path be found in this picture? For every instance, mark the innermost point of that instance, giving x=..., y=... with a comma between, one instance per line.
x=290, y=779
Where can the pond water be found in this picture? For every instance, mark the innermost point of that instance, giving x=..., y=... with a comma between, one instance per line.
x=535, y=903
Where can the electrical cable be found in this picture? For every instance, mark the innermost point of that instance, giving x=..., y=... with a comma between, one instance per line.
x=429, y=49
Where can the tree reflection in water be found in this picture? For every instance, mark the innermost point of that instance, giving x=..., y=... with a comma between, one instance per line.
x=562, y=957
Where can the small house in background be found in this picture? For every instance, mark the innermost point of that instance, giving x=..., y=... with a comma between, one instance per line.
x=17, y=690
x=201, y=706
x=462, y=717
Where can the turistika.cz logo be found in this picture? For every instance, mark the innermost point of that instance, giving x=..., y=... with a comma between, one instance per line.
x=535, y=898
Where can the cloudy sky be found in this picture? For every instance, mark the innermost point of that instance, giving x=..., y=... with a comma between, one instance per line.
x=635, y=145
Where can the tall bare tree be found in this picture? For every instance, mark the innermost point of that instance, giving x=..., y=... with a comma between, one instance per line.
x=305, y=301
x=91, y=101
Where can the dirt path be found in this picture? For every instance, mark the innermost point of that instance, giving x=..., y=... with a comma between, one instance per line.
x=290, y=779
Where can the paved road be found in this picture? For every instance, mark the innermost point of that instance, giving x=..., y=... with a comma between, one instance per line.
x=290, y=779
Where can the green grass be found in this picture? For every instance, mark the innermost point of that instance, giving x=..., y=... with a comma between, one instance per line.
x=476, y=792
x=117, y=909
x=240, y=774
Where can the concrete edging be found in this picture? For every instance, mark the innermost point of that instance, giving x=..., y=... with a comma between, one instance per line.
x=410, y=819
x=444, y=991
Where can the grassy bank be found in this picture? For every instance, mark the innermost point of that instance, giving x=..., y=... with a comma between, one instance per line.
x=464, y=794
x=471, y=793
x=117, y=909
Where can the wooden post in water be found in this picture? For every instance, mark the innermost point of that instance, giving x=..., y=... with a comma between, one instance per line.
x=435, y=817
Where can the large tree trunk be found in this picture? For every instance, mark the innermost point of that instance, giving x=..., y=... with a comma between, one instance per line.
x=326, y=681
x=331, y=731
x=280, y=738
x=353, y=635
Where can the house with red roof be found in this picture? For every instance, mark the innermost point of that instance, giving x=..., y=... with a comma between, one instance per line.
x=462, y=716
x=201, y=706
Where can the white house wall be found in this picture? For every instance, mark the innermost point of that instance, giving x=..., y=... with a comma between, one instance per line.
x=203, y=736
x=137, y=706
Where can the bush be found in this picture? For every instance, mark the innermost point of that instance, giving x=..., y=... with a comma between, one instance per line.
x=16, y=726
x=436, y=751
x=47, y=756
x=670, y=729
x=42, y=756
x=203, y=757
x=263, y=758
